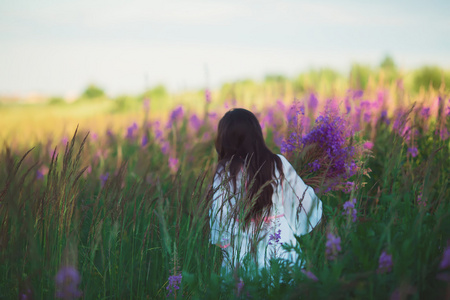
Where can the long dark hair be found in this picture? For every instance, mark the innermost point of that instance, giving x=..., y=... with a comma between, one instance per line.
x=240, y=145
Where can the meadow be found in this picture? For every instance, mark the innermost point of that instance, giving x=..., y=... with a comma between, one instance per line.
x=108, y=199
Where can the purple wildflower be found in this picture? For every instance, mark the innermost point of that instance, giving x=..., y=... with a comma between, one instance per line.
x=176, y=114
x=66, y=281
x=286, y=146
x=275, y=238
x=195, y=122
x=366, y=117
x=281, y=106
x=131, y=130
x=292, y=114
x=64, y=140
x=174, y=284
x=109, y=133
x=144, y=140
x=398, y=120
x=384, y=263
x=173, y=164
x=27, y=295
x=330, y=135
x=315, y=165
x=268, y=119
x=212, y=116
x=165, y=147
x=413, y=151
x=41, y=172
x=333, y=246
x=278, y=138
x=425, y=112
x=348, y=106
x=239, y=287
x=350, y=209
x=403, y=292
x=306, y=125
x=312, y=102
x=365, y=105
x=208, y=96
x=420, y=201
x=349, y=186
x=302, y=109
x=443, y=133
x=310, y=275
x=445, y=262
x=158, y=134
x=39, y=175
x=104, y=178
x=358, y=94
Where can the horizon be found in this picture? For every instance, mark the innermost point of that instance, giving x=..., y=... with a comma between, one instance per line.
x=60, y=48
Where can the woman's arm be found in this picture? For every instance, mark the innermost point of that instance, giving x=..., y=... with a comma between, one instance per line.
x=302, y=207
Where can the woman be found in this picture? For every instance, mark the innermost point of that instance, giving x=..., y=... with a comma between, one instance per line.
x=259, y=200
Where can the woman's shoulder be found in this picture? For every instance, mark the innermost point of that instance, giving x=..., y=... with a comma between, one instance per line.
x=281, y=156
x=284, y=161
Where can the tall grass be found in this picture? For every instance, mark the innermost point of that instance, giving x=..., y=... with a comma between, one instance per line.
x=111, y=207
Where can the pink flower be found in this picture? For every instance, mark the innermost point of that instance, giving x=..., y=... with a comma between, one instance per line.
x=368, y=145
x=94, y=136
x=146, y=104
x=208, y=96
x=42, y=172
x=310, y=275
x=173, y=165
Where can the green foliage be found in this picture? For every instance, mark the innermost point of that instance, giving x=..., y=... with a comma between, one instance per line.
x=275, y=78
x=359, y=76
x=56, y=101
x=388, y=63
x=321, y=79
x=158, y=92
x=126, y=103
x=93, y=92
x=431, y=77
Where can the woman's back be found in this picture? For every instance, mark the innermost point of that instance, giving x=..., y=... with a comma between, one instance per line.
x=295, y=210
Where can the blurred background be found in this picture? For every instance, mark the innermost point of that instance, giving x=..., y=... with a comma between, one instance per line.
x=69, y=62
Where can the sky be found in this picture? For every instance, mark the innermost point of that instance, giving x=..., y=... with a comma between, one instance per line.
x=59, y=47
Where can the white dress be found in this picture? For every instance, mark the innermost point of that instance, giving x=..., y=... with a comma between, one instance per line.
x=296, y=210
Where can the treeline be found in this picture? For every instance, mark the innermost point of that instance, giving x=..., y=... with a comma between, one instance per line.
x=325, y=81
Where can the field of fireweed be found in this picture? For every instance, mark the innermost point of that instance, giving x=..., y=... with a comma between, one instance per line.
x=123, y=213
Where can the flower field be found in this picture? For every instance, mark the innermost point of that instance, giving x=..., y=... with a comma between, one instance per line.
x=119, y=208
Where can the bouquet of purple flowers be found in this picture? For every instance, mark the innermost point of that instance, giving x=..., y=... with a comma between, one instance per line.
x=325, y=154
